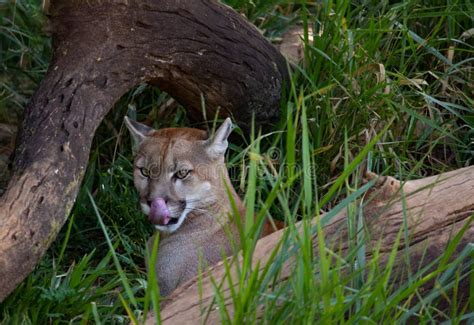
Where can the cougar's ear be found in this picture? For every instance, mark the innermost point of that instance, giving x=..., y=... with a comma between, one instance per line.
x=138, y=131
x=217, y=144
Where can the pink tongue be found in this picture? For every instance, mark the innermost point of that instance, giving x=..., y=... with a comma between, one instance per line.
x=159, y=213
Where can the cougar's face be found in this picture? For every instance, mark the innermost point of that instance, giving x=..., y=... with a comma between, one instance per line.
x=173, y=177
x=177, y=171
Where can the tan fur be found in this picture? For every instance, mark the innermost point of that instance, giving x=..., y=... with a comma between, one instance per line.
x=204, y=233
x=208, y=232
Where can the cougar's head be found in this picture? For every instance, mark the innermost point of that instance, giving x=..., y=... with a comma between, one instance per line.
x=177, y=171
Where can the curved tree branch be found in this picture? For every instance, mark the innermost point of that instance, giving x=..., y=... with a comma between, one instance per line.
x=102, y=49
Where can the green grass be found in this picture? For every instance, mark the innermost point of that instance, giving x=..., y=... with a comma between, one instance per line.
x=386, y=87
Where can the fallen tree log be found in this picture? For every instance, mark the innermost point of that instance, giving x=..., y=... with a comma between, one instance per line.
x=436, y=209
x=191, y=49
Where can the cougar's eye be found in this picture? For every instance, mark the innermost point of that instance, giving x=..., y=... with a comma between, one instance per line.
x=145, y=172
x=182, y=173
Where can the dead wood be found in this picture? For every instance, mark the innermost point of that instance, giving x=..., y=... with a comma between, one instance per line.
x=436, y=207
x=191, y=49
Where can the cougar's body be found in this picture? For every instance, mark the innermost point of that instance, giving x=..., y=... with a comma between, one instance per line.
x=184, y=190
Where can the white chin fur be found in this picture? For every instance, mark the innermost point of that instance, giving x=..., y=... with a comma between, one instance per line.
x=145, y=208
x=182, y=217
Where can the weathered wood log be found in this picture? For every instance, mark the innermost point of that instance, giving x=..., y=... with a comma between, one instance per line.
x=437, y=208
x=190, y=49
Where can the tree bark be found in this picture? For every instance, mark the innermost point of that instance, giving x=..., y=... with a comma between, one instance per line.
x=436, y=209
x=190, y=49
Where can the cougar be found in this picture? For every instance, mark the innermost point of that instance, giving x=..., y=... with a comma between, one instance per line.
x=184, y=189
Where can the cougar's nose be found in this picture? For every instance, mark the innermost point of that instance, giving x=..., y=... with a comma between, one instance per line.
x=159, y=213
x=151, y=201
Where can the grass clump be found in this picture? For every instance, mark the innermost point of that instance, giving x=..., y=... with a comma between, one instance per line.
x=385, y=87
